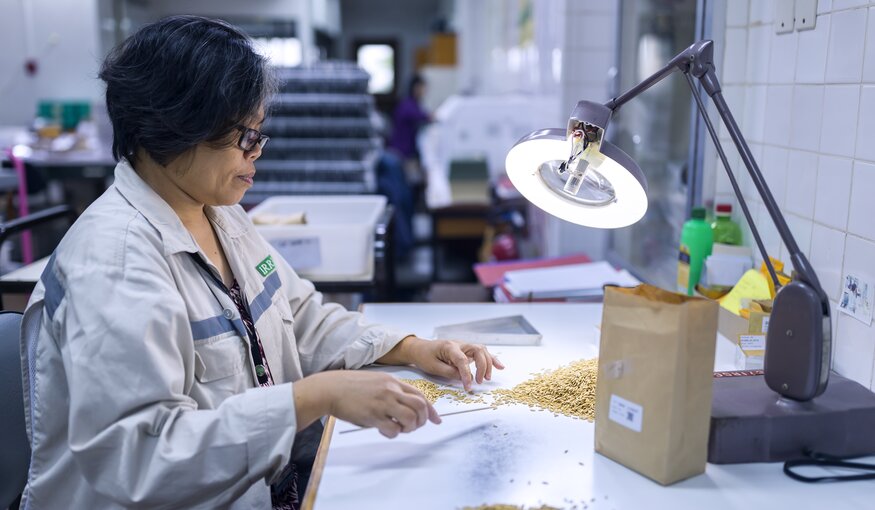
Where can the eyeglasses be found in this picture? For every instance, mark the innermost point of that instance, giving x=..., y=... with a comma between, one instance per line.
x=249, y=138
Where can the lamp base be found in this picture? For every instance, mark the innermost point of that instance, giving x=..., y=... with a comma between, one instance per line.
x=751, y=423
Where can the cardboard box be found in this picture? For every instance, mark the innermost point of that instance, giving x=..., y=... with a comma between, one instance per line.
x=442, y=51
x=749, y=336
x=749, y=359
x=731, y=325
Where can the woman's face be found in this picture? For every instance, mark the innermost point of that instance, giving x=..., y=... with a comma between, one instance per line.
x=218, y=176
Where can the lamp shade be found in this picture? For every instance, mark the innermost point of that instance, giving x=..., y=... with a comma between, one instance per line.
x=614, y=193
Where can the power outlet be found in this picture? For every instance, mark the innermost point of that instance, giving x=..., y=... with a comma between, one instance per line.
x=784, y=11
x=805, y=14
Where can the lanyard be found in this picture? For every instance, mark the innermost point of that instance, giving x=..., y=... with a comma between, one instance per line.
x=822, y=460
x=254, y=347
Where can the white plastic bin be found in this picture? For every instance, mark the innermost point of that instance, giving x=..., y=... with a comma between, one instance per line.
x=337, y=243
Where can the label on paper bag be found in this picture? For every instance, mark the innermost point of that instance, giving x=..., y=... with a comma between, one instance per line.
x=626, y=413
x=766, y=324
x=752, y=342
x=299, y=252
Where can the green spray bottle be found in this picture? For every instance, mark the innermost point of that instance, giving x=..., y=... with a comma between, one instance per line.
x=697, y=239
x=725, y=230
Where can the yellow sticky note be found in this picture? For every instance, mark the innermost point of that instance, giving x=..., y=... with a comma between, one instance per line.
x=752, y=285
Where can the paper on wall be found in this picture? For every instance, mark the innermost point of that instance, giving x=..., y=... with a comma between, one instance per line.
x=858, y=297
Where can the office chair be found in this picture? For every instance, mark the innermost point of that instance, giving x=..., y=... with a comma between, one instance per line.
x=15, y=456
x=28, y=222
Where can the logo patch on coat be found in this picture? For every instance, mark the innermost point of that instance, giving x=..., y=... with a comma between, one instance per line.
x=266, y=266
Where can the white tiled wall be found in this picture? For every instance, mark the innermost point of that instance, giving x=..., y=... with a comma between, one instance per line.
x=590, y=51
x=806, y=104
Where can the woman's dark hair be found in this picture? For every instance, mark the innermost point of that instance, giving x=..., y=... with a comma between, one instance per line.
x=179, y=82
x=415, y=81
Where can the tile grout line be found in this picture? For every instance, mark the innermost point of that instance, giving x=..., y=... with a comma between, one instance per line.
x=807, y=151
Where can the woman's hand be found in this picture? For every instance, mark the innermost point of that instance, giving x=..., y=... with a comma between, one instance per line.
x=368, y=399
x=450, y=359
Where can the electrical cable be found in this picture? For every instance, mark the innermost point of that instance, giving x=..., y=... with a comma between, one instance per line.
x=814, y=459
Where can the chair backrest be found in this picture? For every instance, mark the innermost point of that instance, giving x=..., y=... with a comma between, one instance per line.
x=15, y=455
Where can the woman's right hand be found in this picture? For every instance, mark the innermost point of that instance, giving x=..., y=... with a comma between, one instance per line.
x=367, y=399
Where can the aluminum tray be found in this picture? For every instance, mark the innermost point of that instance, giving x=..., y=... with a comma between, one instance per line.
x=510, y=330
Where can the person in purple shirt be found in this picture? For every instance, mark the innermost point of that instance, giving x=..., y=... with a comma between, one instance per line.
x=408, y=118
x=399, y=175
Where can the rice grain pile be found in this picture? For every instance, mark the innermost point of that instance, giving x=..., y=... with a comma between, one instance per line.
x=433, y=392
x=568, y=390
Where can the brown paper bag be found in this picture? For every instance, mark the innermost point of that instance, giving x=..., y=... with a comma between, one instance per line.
x=653, y=397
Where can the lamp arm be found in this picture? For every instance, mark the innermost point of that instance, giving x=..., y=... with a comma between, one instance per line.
x=683, y=61
x=732, y=180
x=799, y=338
x=708, y=78
x=698, y=61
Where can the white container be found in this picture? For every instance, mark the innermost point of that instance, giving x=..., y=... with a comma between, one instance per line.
x=336, y=243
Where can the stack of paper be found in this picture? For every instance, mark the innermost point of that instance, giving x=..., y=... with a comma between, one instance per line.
x=565, y=282
x=491, y=274
x=725, y=265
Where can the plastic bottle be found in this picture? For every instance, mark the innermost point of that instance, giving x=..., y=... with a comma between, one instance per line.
x=697, y=240
x=725, y=230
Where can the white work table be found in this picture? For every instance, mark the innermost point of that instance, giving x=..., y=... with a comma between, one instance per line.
x=513, y=455
x=26, y=275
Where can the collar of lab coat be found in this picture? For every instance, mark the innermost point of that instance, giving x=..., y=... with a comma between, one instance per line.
x=159, y=214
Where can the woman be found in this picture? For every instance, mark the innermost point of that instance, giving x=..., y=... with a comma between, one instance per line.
x=170, y=354
x=409, y=116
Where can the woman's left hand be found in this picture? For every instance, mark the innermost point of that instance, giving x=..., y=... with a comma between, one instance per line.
x=451, y=359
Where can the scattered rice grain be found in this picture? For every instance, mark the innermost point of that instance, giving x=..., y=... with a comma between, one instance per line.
x=433, y=392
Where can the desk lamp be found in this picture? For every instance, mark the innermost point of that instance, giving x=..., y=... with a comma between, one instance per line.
x=578, y=176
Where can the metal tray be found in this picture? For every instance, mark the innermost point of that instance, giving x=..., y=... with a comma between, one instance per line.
x=510, y=330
